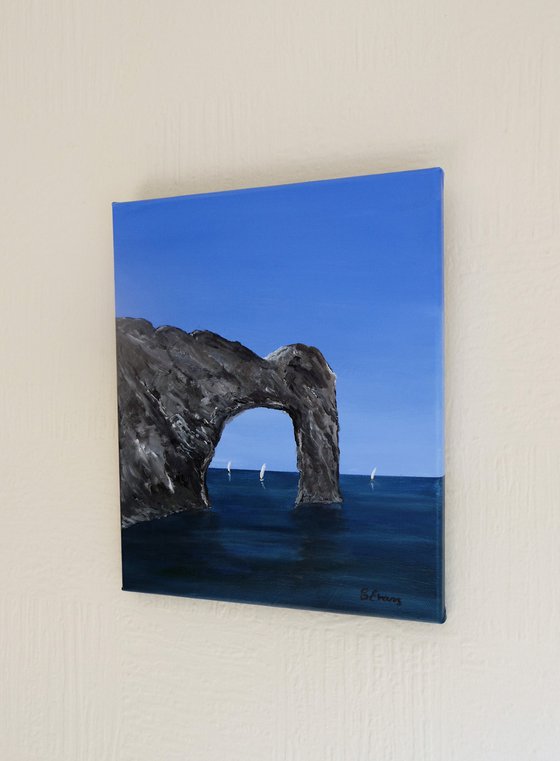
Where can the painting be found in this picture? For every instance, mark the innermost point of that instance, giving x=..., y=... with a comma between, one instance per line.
x=280, y=394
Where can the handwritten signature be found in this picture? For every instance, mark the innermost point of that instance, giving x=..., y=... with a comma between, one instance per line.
x=373, y=595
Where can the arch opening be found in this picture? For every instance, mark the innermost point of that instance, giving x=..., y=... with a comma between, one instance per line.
x=257, y=436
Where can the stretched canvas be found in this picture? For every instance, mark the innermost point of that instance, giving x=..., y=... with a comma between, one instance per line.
x=280, y=394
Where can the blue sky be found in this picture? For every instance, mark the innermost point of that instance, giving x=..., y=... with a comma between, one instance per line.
x=351, y=266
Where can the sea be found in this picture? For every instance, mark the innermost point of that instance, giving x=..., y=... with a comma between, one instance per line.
x=378, y=553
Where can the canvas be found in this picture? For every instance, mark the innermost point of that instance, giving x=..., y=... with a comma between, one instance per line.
x=280, y=391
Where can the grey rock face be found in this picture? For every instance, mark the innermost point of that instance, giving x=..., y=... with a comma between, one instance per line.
x=178, y=390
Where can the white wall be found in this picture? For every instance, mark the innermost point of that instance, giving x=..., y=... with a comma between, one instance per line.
x=108, y=100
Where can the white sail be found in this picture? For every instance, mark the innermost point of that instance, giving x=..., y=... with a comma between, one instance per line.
x=261, y=475
x=229, y=467
x=373, y=472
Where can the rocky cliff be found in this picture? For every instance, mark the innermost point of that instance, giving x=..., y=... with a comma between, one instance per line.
x=178, y=390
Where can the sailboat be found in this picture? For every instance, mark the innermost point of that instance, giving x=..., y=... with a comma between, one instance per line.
x=261, y=474
x=373, y=472
x=229, y=469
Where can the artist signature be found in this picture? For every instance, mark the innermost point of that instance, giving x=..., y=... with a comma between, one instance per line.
x=374, y=595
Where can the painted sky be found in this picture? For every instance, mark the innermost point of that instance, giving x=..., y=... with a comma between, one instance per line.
x=351, y=266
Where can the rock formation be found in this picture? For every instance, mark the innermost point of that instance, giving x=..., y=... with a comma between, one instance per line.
x=178, y=390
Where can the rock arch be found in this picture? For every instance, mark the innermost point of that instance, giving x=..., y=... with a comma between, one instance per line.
x=178, y=390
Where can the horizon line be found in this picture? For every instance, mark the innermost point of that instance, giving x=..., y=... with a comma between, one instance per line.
x=365, y=475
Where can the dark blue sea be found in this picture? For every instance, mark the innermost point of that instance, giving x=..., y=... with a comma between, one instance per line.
x=379, y=553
